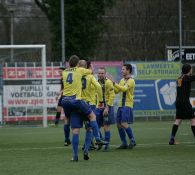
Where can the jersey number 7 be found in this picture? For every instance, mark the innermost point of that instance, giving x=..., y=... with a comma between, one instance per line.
x=84, y=82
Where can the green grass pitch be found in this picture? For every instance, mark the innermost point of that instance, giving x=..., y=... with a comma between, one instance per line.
x=40, y=151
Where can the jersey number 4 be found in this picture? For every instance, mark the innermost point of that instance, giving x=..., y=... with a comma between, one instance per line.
x=69, y=78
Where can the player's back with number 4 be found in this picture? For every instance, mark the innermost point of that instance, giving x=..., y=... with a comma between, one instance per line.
x=72, y=81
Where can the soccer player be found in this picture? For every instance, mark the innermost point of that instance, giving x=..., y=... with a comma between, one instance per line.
x=90, y=87
x=59, y=109
x=125, y=111
x=59, y=98
x=105, y=115
x=184, y=108
x=71, y=100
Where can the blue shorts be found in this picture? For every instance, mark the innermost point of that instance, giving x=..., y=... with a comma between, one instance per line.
x=60, y=101
x=124, y=115
x=101, y=120
x=93, y=108
x=76, y=120
x=71, y=104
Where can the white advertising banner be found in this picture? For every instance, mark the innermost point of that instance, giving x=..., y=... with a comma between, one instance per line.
x=29, y=95
x=23, y=93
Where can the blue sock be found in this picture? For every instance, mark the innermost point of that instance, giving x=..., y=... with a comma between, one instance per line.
x=75, y=144
x=67, y=131
x=107, y=137
x=130, y=134
x=95, y=129
x=88, y=139
x=122, y=135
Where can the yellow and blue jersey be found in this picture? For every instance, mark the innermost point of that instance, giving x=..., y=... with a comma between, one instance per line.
x=126, y=86
x=108, y=91
x=72, y=81
x=91, y=87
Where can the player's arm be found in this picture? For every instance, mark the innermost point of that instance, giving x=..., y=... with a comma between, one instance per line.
x=130, y=83
x=58, y=94
x=62, y=84
x=110, y=102
x=84, y=71
x=116, y=91
x=98, y=88
x=110, y=89
x=61, y=89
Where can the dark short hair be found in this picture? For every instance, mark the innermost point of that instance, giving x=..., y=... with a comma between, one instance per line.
x=128, y=67
x=88, y=64
x=186, y=68
x=73, y=61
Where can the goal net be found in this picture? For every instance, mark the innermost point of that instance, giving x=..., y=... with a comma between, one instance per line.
x=26, y=97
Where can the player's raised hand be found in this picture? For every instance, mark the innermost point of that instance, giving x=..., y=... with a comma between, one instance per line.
x=105, y=112
x=109, y=76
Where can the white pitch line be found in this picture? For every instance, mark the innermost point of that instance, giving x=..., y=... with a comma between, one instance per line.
x=27, y=149
x=114, y=146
